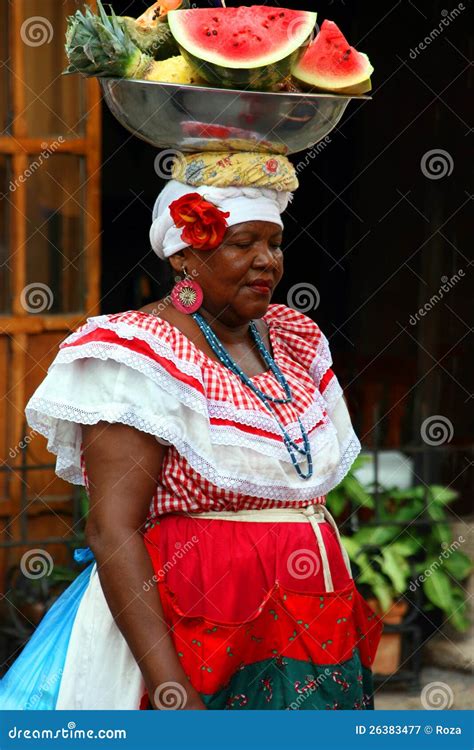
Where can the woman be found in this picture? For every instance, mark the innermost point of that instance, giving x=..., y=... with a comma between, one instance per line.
x=231, y=588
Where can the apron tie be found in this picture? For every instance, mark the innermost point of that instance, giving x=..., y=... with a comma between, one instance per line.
x=313, y=514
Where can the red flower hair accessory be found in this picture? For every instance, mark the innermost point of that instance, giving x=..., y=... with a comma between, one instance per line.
x=204, y=224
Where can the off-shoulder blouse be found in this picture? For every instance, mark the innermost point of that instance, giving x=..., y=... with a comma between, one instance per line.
x=225, y=449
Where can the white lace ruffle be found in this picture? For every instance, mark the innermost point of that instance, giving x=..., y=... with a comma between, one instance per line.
x=322, y=360
x=129, y=332
x=107, y=382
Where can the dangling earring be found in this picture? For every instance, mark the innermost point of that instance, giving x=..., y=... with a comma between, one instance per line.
x=186, y=295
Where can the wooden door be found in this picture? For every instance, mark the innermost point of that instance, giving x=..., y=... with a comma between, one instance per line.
x=50, y=128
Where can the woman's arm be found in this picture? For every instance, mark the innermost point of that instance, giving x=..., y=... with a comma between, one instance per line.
x=122, y=466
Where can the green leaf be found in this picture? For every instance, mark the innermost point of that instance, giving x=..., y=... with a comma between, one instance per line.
x=413, y=493
x=403, y=513
x=357, y=493
x=406, y=546
x=384, y=595
x=458, y=617
x=459, y=621
x=443, y=495
x=337, y=501
x=377, y=536
x=396, y=569
x=438, y=589
x=442, y=533
x=61, y=573
x=353, y=549
x=458, y=564
x=436, y=512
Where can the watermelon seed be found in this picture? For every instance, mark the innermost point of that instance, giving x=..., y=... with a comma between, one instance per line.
x=214, y=32
x=208, y=33
x=346, y=54
x=281, y=15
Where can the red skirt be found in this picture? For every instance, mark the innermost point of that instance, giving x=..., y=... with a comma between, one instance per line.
x=252, y=619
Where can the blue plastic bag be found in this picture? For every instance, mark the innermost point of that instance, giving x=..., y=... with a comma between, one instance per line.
x=32, y=682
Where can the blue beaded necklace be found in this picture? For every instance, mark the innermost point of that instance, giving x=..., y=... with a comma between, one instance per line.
x=268, y=400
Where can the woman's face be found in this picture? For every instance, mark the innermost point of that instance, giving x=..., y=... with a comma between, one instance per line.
x=250, y=252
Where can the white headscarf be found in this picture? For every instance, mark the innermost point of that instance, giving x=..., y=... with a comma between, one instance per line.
x=243, y=204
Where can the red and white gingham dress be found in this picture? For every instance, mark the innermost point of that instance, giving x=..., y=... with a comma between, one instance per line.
x=256, y=609
x=225, y=449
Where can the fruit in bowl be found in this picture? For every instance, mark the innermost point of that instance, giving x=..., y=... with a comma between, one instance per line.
x=256, y=47
x=331, y=64
x=250, y=47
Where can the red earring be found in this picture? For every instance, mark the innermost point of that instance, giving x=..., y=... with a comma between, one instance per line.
x=187, y=295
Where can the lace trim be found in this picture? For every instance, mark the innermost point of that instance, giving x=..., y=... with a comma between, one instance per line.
x=153, y=370
x=349, y=453
x=332, y=393
x=261, y=420
x=129, y=331
x=41, y=413
x=188, y=396
x=322, y=360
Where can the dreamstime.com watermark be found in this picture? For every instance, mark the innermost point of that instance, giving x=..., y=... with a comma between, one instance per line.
x=170, y=696
x=47, y=151
x=436, y=164
x=448, y=16
x=306, y=689
x=447, y=551
x=36, y=563
x=312, y=154
x=13, y=452
x=181, y=551
x=167, y=301
x=436, y=430
x=446, y=286
x=44, y=688
x=437, y=696
x=36, y=31
x=303, y=563
x=303, y=297
x=166, y=160
x=67, y=733
x=36, y=297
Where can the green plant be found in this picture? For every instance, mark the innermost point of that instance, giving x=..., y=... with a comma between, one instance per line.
x=350, y=493
x=393, y=559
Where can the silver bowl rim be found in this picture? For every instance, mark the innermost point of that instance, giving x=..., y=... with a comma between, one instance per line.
x=247, y=92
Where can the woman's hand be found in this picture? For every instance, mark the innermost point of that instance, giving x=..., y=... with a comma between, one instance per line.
x=123, y=465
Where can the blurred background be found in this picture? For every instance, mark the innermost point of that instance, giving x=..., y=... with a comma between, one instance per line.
x=377, y=251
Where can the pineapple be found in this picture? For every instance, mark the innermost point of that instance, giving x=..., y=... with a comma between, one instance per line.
x=177, y=70
x=151, y=32
x=100, y=45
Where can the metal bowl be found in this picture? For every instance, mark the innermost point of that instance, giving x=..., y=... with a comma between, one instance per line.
x=198, y=118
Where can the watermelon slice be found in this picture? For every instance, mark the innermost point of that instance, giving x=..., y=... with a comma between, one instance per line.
x=250, y=46
x=331, y=64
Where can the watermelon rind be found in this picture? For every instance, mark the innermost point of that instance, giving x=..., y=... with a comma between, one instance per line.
x=363, y=87
x=262, y=73
x=264, y=78
x=358, y=88
x=356, y=83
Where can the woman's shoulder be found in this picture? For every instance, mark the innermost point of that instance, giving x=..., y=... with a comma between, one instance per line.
x=142, y=330
x=136, y=351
